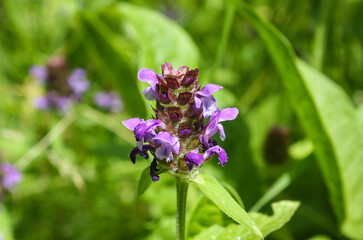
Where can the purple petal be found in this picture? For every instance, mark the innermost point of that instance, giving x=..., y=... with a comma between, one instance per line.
x=10, y=175
x=222, y=155
x=208, y=90
x=153, y=171
x=77, y=81
x=41, y=103
x=131, y=123
x=142, y=152
x=193, y=158
x=166, y=137
x=209, y=106
x=150, y=93
x=222, y=134
x=109, y=101
x=198, y=101
x=227, y=114
x=39, y=72
x=63, y=104
x=164, y=152
x=149, y=76
x=147, y=128
x=169, y=145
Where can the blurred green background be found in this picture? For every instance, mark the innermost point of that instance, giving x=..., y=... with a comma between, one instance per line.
x=78, y=182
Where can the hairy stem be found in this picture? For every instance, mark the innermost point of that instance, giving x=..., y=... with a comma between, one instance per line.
x=181, y=203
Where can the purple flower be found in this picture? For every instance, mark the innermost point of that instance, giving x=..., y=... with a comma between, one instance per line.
x=215, y=126
x=204, y=99
x=169, y=145
x=193, y=158
x=10, y=176
x=108, y=101
x=41, y=103
x=78, y=82
x=39, y=72
x=62, y=103
x=222, y=155
x=63, y=87
x=142, y=152
x=149, y=76
x=178, y=135
x=143, y=130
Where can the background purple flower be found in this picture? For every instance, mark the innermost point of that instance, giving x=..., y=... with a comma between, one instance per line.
x=10, y=176
x=39, y=72
x=109, y=101
x=41, y=103
x=78, y=82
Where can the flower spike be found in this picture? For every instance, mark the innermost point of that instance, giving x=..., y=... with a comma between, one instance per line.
x=178, y=137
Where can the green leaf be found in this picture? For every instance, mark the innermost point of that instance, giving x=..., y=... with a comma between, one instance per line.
x=283, y=182
x=212, y=189
x=329, y=119
x=144, y=181
x=205, y=214
x=106, y=50
x=282, y=213
x=214, y=232
x=161, y=40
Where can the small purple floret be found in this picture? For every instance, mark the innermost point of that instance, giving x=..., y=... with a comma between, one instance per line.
x=169, y=145
x=41, y=103
x=10, y=176
x=108, y=101
x=215, y=126
x=204, y=99
x=78, y=82
x=149, y=76
x=142, y=152
x=222, y=155
x=193, y=159
x=39, y=72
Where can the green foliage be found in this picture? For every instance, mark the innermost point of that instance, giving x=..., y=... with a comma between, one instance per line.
x=282, y=213
x=295, y=64
x=212, y=189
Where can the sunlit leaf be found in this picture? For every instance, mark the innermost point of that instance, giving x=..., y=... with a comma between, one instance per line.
x=212, y=189
x=329, y=119
x=205, y=214
x=282, y=213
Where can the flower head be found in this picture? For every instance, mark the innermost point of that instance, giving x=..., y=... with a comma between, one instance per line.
x=178, y=137
x=63, y=87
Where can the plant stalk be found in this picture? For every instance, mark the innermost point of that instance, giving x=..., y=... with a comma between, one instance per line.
x=181, y=203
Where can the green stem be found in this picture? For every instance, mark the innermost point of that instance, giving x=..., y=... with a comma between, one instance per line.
x=181, y=203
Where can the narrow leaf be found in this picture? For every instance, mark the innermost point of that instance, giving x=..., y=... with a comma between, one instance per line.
x=144, y=181
x=212, y=189
x=282, y=213
x=329, y=119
